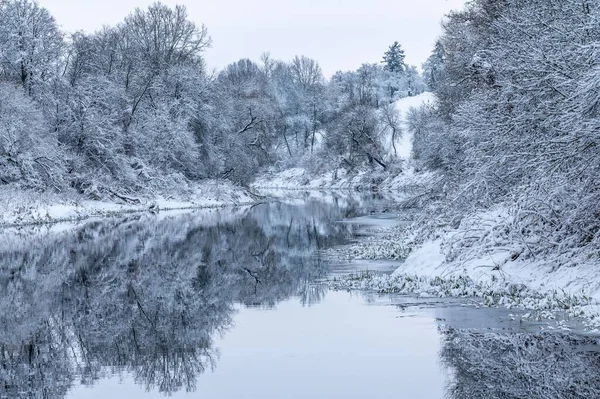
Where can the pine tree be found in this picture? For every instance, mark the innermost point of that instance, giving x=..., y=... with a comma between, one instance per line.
x=433, y=68
x=393, y=59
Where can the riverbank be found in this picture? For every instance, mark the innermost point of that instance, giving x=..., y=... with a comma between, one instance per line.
x=19, y=208
x=494, y=275
x=363, y=179
x=398, y=176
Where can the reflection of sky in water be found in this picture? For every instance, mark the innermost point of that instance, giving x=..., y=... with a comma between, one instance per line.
x=147, y=299
x=339, y=348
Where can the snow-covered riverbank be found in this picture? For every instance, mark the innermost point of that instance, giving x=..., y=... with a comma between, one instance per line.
x=341, y=179
x=477, y=258
x=23, y=208
x=397, y=177
x=496, y=275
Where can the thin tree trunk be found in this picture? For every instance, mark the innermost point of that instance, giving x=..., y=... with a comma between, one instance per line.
x=394, y=131
x=286, y=141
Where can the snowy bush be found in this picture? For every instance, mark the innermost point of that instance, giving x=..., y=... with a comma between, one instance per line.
x=515, y=126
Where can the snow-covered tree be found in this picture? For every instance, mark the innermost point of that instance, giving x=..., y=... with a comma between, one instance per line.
x=518, y=107
x=393, y=59
x=433, y=68
x=28, y=149
x=30, y=45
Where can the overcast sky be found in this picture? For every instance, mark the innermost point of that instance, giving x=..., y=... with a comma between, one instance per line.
x=339, y=34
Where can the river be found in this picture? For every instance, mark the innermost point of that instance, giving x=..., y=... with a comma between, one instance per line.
x=232, y=304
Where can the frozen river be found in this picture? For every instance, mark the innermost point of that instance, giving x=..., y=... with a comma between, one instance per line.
x=232, y=304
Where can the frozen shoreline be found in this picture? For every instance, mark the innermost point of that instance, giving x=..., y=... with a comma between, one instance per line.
x=491, y=275
x=18, y=208
x=494, y=278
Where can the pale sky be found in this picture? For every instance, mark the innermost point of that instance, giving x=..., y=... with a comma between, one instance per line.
x=339, y=34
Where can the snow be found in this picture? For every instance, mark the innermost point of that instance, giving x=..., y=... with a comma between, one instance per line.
x=426, y=260
x=24, y=208
x=404, y=105
x=340, y=179
x=401, y=184
x=429, y=261
x=490, y=273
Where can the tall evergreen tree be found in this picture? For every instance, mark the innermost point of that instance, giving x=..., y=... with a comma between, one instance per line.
x=433, y=68
x=393, y=59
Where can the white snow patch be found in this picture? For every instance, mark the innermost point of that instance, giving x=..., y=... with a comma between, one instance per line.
x=404, y=105
x=23, y=208
x=459, y=263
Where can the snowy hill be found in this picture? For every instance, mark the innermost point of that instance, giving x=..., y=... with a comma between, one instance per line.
x=404, y=142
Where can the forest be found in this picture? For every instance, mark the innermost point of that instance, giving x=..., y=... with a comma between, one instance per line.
x=515, y=128
x=133, y=110
x=493, y=220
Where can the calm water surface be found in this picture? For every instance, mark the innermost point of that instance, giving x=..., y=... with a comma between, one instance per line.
x=229, y=304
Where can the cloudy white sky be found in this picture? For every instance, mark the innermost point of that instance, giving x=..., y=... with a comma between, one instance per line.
x=340, y=34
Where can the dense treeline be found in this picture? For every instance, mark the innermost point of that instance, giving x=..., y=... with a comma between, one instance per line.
x=132, y=107
x=516, y=122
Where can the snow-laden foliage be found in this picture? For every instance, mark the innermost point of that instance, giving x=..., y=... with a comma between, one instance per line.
x=544, y=305
x=28, y=150
x=520, y=365
x=131, y=108
x=516, y=122
x=381, y=245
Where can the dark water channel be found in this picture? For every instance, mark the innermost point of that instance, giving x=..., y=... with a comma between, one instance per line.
x=229, y=304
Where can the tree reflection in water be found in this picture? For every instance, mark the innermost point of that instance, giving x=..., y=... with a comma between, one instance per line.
x=146, y=297
x=521, y=365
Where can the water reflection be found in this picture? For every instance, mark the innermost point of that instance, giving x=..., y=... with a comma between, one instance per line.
x=146, y=297
x=521, y=365
x=492, y=353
